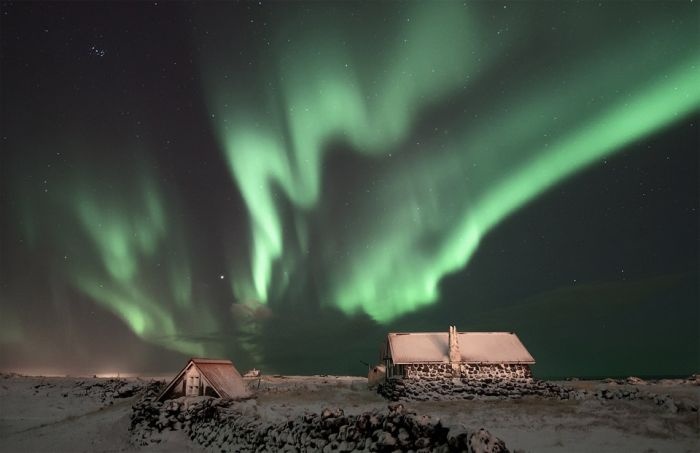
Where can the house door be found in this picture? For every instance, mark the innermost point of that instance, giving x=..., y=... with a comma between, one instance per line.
x=193, y=382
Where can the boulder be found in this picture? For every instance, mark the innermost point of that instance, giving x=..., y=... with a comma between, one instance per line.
x=483, y=441
x=385, y=439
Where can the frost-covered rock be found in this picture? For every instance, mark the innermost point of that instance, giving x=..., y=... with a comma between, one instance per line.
x=483, y=441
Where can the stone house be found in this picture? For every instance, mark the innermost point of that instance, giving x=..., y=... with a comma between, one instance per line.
x=452, y=354
x=206, y=377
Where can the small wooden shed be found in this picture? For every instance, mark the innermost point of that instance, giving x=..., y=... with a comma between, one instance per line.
x=206, y=377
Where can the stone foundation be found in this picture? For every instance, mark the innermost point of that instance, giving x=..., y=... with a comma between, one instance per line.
x=467, y=371
x=462, y=388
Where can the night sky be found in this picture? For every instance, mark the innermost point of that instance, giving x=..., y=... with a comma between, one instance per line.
x=282, y=184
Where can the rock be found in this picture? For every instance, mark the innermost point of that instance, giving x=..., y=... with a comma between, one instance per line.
x=687, y=405
x=126, y=391
x=396, y=408
x=483, y=441
x=670, y=405
x=385, y=439
x=693, y=379
x=403, y=437
x=332, y=413
x=422, y=442
x=458, y=440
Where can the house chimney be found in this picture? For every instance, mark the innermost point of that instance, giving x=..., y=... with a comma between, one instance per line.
x=455, y=356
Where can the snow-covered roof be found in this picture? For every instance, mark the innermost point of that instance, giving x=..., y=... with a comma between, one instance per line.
x=474, y=347
x=223, y=376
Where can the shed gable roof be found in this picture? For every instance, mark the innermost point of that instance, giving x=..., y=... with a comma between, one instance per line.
x=474, y=347
x=221, y=375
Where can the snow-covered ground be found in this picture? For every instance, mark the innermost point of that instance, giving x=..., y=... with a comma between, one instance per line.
x=67, y=414
x=93, y=414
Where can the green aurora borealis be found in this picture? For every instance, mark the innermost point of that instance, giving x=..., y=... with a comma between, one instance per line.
x=521, y=144
x=339, y=164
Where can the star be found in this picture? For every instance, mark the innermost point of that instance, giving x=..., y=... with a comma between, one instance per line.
x=97, y=51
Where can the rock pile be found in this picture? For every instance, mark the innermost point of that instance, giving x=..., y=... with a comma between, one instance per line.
x=693, y=379
x=222, y=426
x=106, y=391
x=464, y=389
x=632, y=393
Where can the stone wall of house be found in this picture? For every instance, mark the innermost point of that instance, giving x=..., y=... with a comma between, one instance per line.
x=467, y=371
x=428, y=370
x=464, y=388
x=497, y=371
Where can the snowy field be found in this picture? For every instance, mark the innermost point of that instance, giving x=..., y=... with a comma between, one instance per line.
x=69, y=414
